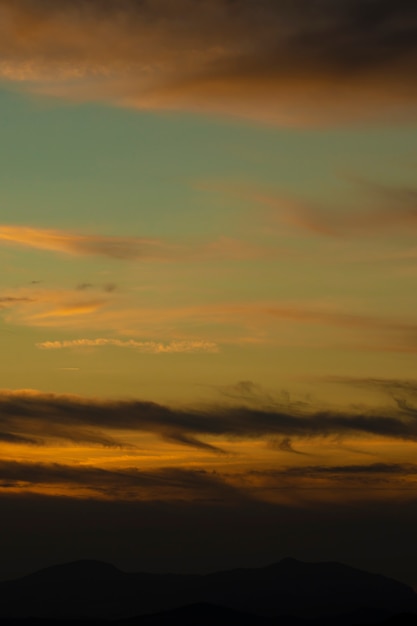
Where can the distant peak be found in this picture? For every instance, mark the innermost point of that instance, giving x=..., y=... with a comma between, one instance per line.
x=89, y=564
x=287, y=561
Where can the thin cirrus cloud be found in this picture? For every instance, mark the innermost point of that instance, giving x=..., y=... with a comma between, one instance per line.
x=7, y=301
x=382, y=210
x=42, y=418
x=255, y=322
x=69, y=243
x=150, y=347
x=397, y=478
x=46, y=306
x=403, y=392
x=128, y=248
x=298, y=62
x=173, y=483
x=395, y=212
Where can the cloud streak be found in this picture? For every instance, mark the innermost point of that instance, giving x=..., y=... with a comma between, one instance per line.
x=172, y=484
x=383, y=210
x=273, y=61
x=198, y=327
x=123, y=483
x=393, y=211
x=149, y=347
x=392, y=478
x=370, y=471
x=9, y=301
x=128, y=248
x=124, y=248
x=44, y=417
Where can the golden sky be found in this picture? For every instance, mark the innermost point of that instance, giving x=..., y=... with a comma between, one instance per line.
x=208, y=307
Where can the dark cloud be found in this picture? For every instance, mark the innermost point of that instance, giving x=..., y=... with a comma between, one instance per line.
x=402, y=391
x=371, y=471
x=127, y=248
x=84, y=286
x=383, y=210
x=162, y=483
x=272, y=60
x=393, y=209
x=12, y=438
x=246, y=391
x=384, y=384
x=176, y=483
x=36, y=415
x=404, y=469
x=108, y=287
x=9, y=301
x=285, y=445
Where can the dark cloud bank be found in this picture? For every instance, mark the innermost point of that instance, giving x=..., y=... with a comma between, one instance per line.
x=37, y=418
x=271, y=60
x=183, y=519
x=175, y=483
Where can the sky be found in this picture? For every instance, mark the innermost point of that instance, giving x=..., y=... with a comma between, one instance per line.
x=208, y=218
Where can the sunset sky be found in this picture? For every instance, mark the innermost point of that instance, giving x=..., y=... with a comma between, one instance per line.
x=208, y=330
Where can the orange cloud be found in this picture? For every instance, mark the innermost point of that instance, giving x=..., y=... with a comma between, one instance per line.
x=383, y=210
x=128, y=248
x=35, y=418
x=76, y=308
x=70, y=243
x=36, y=306
x=205, y=326
x=151, y=347
x=179, y=483
x=274, y=61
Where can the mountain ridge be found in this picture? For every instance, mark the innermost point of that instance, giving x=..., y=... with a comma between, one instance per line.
x=89, y=589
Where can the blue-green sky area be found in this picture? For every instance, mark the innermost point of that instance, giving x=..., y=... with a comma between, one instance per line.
x=208, y=218
x=60, y=163
x=198, y=181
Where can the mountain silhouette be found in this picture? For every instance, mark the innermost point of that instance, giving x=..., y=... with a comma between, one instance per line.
x=299, y=591
x=203, y=614
x=77, y=570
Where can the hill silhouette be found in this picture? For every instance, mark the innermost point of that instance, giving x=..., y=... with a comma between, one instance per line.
x=76, y=570
x=291, y=590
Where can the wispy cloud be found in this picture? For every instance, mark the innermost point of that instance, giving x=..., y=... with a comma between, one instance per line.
x=403, y=392
x=319, y=315
x=18, y=439
x=391, y=211
x=41, y=417
x=151, y=347
x=273, y=61
x=107, y=287
x=37, y=306
x=378, y=210
x=175, y=483
x=390, y=477
x=8, y=301
x=370, y=470
x=388, y=385
x=203, y=326
x=129, y=248
x=169, y=484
